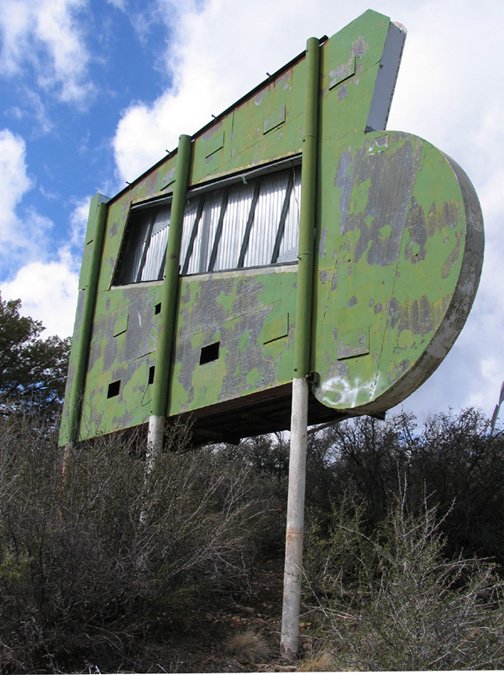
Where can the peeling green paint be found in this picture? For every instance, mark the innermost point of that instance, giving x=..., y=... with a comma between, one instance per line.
x=254, y=378
x=398, y=242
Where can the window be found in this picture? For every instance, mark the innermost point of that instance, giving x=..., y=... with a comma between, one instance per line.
x=250, y=221
x=143, y=252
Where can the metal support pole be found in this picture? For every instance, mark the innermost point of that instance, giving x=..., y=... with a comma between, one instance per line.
x=302, y=345
x=96, y=224
x=155, y=435
x=295, y=520
x=168, y=304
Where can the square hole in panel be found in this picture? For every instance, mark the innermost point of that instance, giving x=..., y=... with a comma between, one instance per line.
x=113, y=389
x=151, y=374
x=209, y=353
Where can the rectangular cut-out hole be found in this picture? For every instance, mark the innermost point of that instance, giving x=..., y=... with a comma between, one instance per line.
x=157, y=308
x=113, y=389
x=209, y=353
x=151, y=374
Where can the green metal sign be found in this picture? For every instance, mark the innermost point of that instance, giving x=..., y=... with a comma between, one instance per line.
x=397, y=276
x=197, y=286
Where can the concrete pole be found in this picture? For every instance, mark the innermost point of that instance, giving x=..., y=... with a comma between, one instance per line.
x=302, y=346
x=155, y=436
x=295, y=520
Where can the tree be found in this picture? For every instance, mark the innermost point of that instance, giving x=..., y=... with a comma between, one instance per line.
x=32, y=370
x=455, y=463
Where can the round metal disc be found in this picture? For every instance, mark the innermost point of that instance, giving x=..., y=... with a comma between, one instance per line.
x=400, y=257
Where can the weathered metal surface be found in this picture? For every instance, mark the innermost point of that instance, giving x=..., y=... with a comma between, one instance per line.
x=398, y=254
x=397, y=268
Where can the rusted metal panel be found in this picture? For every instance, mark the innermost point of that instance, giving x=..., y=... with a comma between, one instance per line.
x=399, y=243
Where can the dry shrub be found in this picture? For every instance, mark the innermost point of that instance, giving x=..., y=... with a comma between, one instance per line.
x=249, y=646
x=452, y=458
x=88, y=561
x=393, y=601
x=321, y=662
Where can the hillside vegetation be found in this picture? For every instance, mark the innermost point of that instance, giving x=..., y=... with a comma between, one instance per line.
x=103, y=568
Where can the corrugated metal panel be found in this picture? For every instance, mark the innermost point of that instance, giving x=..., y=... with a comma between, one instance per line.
x=206, y=232
x=136, y=235
x=289, y=245
x=154, y=259
x=235, y=221
x=246, y=233
x=267, y=216
x=189, y=233
x=249, y=223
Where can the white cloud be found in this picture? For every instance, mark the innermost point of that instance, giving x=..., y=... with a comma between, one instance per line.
x=492, y=372
x=47, y=288
x=14, y=182
x=447, y=92
x=218, y=52
x=78, y=223
x=209, y=56
x=46, y=35
x=118, y=4
x=34, y=106
x=23, y=231
x=48, y=291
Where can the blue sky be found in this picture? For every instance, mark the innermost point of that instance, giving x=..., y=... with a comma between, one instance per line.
x=94, y=91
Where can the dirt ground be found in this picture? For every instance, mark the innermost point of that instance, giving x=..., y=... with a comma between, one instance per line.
x=241, y=636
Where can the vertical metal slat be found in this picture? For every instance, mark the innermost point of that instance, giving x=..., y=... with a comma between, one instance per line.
x=250, y=222
x=283, y=218
x=194, y=233
x=146, y=246
x=218, y=233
